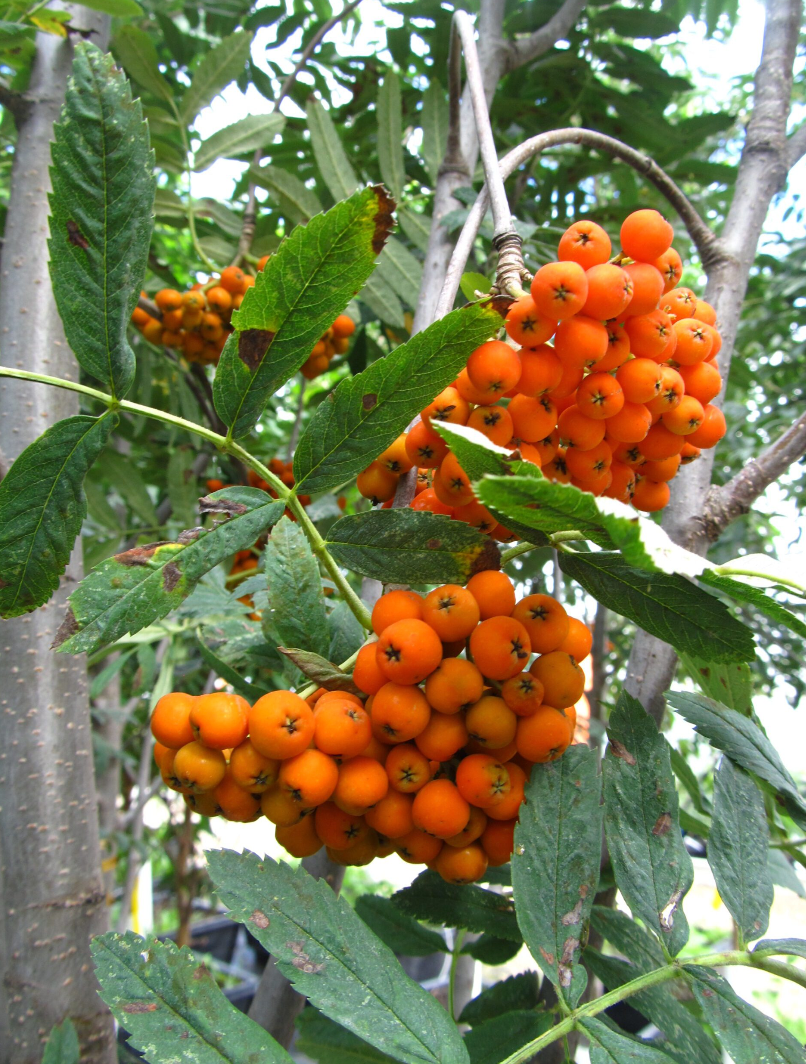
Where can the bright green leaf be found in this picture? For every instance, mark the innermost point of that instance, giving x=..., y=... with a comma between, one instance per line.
x=101, y=215
x=292, y=197
x=652, y=867
x=401, y=933
x=416, y=225
x=218, y=67
x=250, y=133
x=431, y=899
x=730, y=684
x=62, y=1045
x=331, y=158
x=368, y=412
x=471, y=283
x=390, y=134
x=555, y=864
x=42, y=508
x=382, y=300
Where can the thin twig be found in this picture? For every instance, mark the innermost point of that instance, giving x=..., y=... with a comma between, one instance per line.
x=524, y=49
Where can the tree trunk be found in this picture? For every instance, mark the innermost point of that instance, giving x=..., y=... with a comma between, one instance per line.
x=52, y=890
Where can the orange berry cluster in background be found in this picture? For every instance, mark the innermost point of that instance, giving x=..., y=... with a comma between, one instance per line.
x=281, y=469
x=335, y=341
x=430, y=763
x=615, y=404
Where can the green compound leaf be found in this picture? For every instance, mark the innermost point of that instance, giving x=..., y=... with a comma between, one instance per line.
x=609, y=1046
x=686, y=1041
x=401, y=933
x=305, y=285
x=331, y=957
x=496, y=1039
x=732, y=685
x=744, y=742
x=42, y=508
x=290, y=194
x=331, y=158
x=652, y=867
x=390, y=134
x=516, y=992
x=172, y=1006
x=368, y=412
x=411, y=547
x=250, y=133
x=430, y=898
x=327, y=1042
x=137, y=54
x=746, y=1034
x=555, y=864
x=664, y=605
x=628, y=937
x=62, y=1045
x=296, y=598
x=754, y=596
x=101, y=215
x=131, y=590
x=737, y=850
x=543, y=506
x=217, y=69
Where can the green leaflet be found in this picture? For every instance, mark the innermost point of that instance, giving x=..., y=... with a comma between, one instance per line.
x=390, y=134
x=305, y=285
x=435, y=127
x=131, y=590
x=555, y=864
x=42, y=508
x=431, y=899
x=172, y=1007
x=516, y=992
x=101, y=215
x=401, y=271
x=319, y=670
x=609, y=1046
x=756, y=597
x=217, y=69
x=331, y=158
x=332, y=957
x=325, y=1041
x=62, y=1045
x=400, y=932
x=652, y=867
x=292, y=197
x=494, y=1040
x=665, y=605
x=136, y=52
x=250, y=133
x=409, y=547
x=732, y=684
x=367, y=412
x=296, y=600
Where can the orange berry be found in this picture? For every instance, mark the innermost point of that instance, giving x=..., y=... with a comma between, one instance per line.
x=396, y=606
x=338, y=829
x=439, y=809
x=712, y=429
x=427, y=502
x=509, y=806
x=579, y=430
x=670, y=267
x=234, y=802
x=343, y=728
x=494, y=593
x=494, y=422
x=451, y=611
x=704, y=312
x=523, y=694
x=660, y=443
x=464, y=865
x=219, y=720
x=640, y=378
x=622, y=483
x=589, y=465
x=471, y=831
x=647, y=288
x=494, y=368
x=600, y=396
x=650, y=496
x=482, y=780
x=649, y=334
x=500, y=647
x=491, y=723
x=685, y=418
x=448, y=406
x=559, y=290
x=168, y=299
x=544, y=736
x=451, y=483
x=392, y=816
x=694, y=341
x=618, y=348
x=408, y=768
x=343, y=326
x=498, y=841
x=526, y=326
x=681, y=303
x=584, y=242
x=399, y=713
x=396, y=458
x=454, y=685
x=665, y=469
x=170, y=721
x=408, y=651
x=377, y=483
x=569, y=382
x=631, y=424
x=581, y=341
x=197, y=768
x=300, y=840
x=702, y=381
x=419, y=848
x=646, y=235
x=367, y=675
x=545, y=621
x=233, y=279
x=468, y=391
x=425, y=448
x=442, y=737
x=475, y=515
x=362, y=782
x=281, y=725
x=610, y=289
x=219, y=300
x=562, y=678
x=541, y=370
x=251, y=769
x=578, y=642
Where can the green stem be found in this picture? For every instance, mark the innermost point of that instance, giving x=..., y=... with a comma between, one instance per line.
x=58, y=382
x=732, y=570
x=555, y=538
x=455, y=953
x=782, y=969
x=513, y=552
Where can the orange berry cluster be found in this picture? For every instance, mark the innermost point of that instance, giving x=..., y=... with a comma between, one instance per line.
x=281, y=469
x=336, y=341
x=618, y=401
x=196, y=322
x=431, y=764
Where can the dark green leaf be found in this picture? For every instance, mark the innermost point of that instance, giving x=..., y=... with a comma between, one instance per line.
x=138, y=56
x=218, y=68
x=408, y=546
x=685, y=1038
x=754, y=596
x=296, y=599
x=42, y=508
x=401, y=933
x=141, y=585
x=496, y=1039
x=609, y=1046
x=246, y=135
x=782, y=872
x=685, y=774
x=635, y=22
x=737, y=850
x=320, y=670
x=331, y=158
x=62, y=1045
x=306, y=283
x=101, y=215
x=368, y=412
x=516, y=992
x=431, y=899
x=390, y=134
x=555, y=864
x=183, y=489
x=664, y=605
x=327, y=1042
x=732, y=685
x=628, y=937
x=380, y=297
x=746, y=1034
x=742, y=740
x=492, y=950
x=291, y=195
x=172, y=1007
x=792, y=947
x=346, y=633
x=435, y=126
x=332, y=957
x=118, y=8
x=652, y=867
x=252, y=692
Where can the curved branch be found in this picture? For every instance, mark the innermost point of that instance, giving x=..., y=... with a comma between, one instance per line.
x=704, y=239
x=524, y=49
x=796, y=146
x=724, y=504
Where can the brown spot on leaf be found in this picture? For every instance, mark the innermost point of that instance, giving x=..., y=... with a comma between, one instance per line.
x=3, y=583
x=260, y=919
x=369, y=400
x=252, y=347
x=139, y=555
x=489, y=557
x=200, y=972
x=662, y=825
x=384, y=218
x=209, y=505
x=68, y=627
x=565, y=968
x=573, y=917
x=705, y=672
x=171, y=575
x=500, y=304
x=547, y=957
x=75, y=236
x=620, y=750
x=139, y=1006
x=666, y=915
x=434, y=544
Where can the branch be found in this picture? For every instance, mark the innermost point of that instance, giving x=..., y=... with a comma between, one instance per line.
x=524, y=49
x=704, y=239
x=796, y=146
x=724, y=504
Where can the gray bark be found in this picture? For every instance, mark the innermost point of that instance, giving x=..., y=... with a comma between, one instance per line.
x=52, y=892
